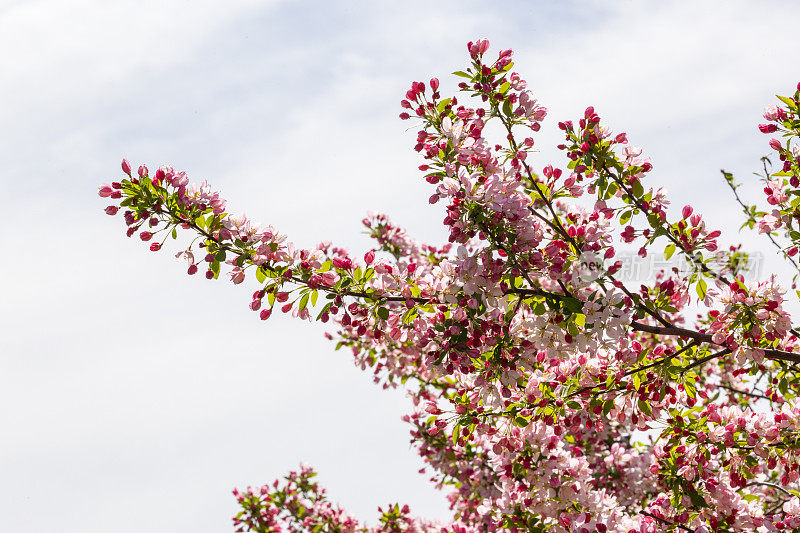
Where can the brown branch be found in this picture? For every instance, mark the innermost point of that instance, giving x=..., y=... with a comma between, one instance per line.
x=744, y=392
x=705, y=337
x=636, y=326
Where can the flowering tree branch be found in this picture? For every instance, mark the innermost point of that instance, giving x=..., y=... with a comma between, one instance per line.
x=532, y=367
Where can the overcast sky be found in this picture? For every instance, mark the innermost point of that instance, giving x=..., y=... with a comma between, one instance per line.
x=133, y=397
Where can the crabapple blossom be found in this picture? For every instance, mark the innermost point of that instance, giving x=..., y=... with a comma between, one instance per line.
x=547, y=392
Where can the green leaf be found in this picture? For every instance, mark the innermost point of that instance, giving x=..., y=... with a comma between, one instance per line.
x=220, y=255
x=645, y=407
x=637, y=188
x=383, y=313
x=669, y=250
x=260, y=275
x=462, y=74
x=701, y=288
x=787, y=101
x=314, y=296
x=303, y=302
x=697, y=500
x=572, y=304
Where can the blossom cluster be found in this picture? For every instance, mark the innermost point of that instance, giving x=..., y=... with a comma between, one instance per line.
x=533, y=372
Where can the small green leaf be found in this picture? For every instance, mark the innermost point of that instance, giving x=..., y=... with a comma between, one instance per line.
x=788, y=101
x=669, y=250
x=573, y=304
x=410, y=315
x=637, y=188
x=383, y=313
x=260, y=275
x=701, y=288
x=694, y=496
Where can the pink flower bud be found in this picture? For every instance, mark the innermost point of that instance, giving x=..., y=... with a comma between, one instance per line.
x=209, y=274
x=775, y=144
x=687, y=211
x=145, y=235
x=265, y=313
x=192, y=270
x=126, y=167
x=369, y=257
x=142, y=171
x=434, y=84
x=105, y=190
x=111, y=210
x=155, y=247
